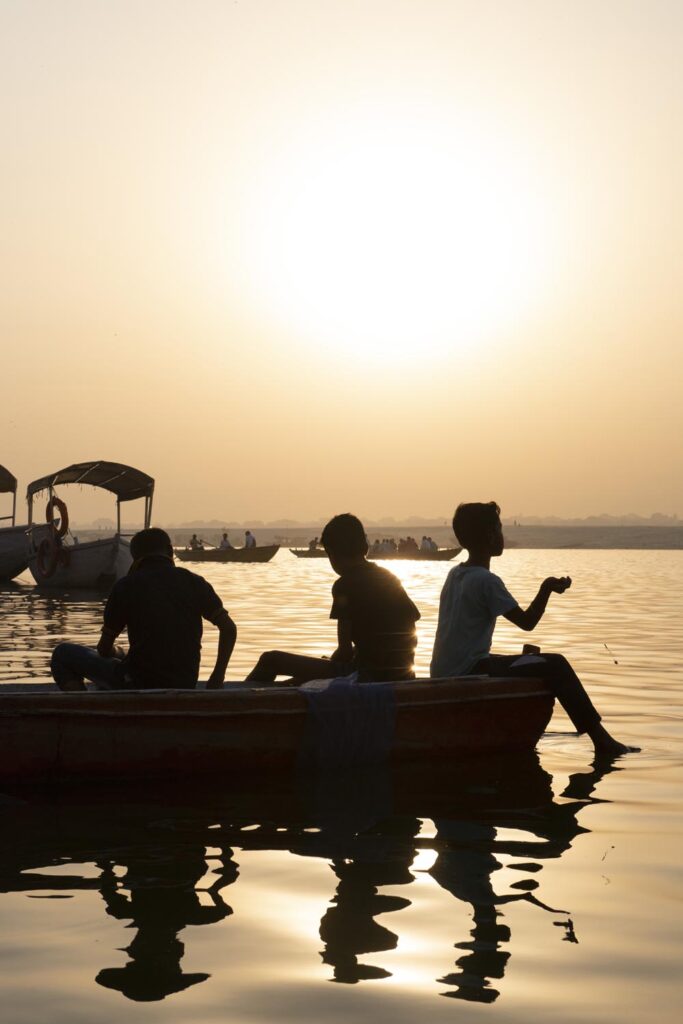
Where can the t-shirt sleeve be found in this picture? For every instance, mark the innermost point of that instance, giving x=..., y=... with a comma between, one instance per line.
x=498, y=598
x=210, y=604
x=115, y=610
x=340, y=601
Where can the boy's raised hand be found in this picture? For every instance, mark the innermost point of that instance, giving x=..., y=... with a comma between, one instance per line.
x=557, y=584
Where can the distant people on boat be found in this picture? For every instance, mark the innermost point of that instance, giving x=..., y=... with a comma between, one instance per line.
x=408, y=546
x=249, y=539
x=162, y=607
x=425, y=545
x=195, y=543
x=471, y=600
x=375, y=618
x=225, y=544
x=313, y=544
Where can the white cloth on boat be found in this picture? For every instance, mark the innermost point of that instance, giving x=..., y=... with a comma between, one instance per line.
x=349, y=723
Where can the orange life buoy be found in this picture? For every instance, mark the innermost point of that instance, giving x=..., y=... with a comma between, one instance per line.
x=57, y=503
x=47, y=555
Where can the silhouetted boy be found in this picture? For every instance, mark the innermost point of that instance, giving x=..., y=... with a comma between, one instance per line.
x=375, y=618
x=471, y=600
x=162, y=607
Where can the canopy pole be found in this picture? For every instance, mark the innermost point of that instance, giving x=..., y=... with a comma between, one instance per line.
x=14, y=507
x=118, y=516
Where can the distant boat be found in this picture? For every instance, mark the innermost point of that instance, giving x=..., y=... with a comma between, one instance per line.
x=136, y=735
x=441, y=555
x=262, y=553
x=97, y=563
x=15, y=544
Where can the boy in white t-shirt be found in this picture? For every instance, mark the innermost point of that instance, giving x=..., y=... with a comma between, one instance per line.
x=471, y=600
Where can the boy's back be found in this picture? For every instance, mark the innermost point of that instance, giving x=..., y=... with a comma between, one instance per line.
x=471, y=599
x=382, y=618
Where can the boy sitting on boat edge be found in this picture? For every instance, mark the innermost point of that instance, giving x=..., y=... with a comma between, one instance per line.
x=375, y=618
x=471, y=600
x=162, y=606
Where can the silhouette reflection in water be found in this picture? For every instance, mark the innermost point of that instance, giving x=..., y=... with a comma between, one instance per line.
x=468, y=862
x=151, y=873
x=162, y=900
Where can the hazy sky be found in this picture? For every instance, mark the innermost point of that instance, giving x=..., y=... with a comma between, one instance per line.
x=294, y=257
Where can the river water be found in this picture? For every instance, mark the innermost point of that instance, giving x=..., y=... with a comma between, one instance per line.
x=515, y=890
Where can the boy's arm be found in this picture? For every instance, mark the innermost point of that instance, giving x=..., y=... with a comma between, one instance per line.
x=113, y=624
x=528, y=619
x=227, y=635
x=344, y=650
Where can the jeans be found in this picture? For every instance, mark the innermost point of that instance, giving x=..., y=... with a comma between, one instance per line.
x=561, y=678
x=72, y=663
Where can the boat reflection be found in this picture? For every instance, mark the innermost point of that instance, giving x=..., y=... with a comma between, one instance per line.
x=163, y=861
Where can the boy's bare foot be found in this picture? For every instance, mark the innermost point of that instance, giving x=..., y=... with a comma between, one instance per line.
x=606, y=745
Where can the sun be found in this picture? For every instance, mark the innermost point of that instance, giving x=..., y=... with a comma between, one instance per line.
x=389, y=236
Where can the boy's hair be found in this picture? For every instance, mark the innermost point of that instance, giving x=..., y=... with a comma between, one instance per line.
x=345, y=535
x=150, y=542
x=473, y=522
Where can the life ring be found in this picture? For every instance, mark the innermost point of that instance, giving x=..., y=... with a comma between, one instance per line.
x=57, y=503
x=47, y=555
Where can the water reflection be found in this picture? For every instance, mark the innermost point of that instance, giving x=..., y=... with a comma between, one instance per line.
x=158, y=894
x=162, y=862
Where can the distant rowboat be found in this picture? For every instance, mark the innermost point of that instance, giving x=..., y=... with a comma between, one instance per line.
x=262, y=553
x=47, y=735
x=441, y=555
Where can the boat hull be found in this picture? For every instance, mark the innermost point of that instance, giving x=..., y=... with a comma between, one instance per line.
x=261, y=553
x=162, y=734
x=15, y=550
x=442, y=555
x=96, y=564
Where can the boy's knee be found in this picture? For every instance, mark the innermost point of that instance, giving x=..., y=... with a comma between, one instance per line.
x=557, y=661
x=59, y=654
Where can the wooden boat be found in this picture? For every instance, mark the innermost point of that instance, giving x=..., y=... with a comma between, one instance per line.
x=15, y=545
x=261, y=553
x=442, y=555
x=56, y=563
x=48, y=735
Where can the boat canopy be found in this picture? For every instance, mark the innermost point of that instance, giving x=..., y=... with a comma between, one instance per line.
x=125, y=482
x=8, y=483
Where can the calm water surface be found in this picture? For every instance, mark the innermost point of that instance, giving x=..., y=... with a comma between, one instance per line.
x=513, y=890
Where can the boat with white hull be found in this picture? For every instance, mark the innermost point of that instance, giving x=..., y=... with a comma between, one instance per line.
x=15, y=544
x=54, y=561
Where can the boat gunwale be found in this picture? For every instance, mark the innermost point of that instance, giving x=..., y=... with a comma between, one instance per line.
x=237, y=712
x=245, y=701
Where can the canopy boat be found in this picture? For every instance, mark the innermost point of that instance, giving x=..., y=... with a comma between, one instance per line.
x=15, y=546
x=97, y=563
x=441, y=555
x=140, y=735
x=261, y=553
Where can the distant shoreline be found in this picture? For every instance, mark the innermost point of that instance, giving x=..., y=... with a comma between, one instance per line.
x=626, y=538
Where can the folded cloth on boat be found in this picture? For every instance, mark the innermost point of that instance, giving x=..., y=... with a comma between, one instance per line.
x=349, y=723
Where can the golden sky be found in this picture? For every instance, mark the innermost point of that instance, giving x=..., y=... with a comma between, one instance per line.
x=295, y=257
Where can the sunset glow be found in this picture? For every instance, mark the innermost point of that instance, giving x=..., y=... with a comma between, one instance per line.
x=390, y=231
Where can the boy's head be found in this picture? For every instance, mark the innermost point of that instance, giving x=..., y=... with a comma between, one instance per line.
x=151, y=542
x=477, y=526
x=344, y=539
